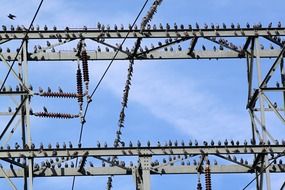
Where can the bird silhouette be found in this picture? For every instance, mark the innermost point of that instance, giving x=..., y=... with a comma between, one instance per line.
x=45, y=109
x=12, y=17
x=60, y=90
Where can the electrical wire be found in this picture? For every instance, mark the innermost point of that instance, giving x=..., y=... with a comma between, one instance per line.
x=279, y=155
x=101, y=79
x=25, y=37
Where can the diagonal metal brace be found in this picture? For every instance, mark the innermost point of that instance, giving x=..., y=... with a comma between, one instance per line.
x=13, y=117
x=81, y=167
x=273, y=68
x=192, y=47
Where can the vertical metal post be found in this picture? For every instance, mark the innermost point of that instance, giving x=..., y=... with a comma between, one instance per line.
x=282, y=72
x=145, y=166
x=27, y=113
x=262, y=111
x=250, y=62
x=23, y=116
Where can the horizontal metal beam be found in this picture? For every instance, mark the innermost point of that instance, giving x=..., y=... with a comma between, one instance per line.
x=14, y=93
x=172, y=33
x=157, y=55
x=165, y=170
x=142, y=151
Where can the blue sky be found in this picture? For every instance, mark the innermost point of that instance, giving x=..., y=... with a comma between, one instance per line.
x=181, y=99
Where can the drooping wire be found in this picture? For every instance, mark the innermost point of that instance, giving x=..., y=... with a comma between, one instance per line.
x=22, y=43
x=126, y=96
x=150, y=14
x=101, y=79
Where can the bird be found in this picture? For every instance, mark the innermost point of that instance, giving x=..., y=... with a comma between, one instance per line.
x=70, y=144
x=197, y=25
x=139, y=143
x=179, y=48
x=41, y=90
x=98, y=144
x=148, y=143
x=11, y=16
x=45, y=109
x=60, y=89
x=196, y=143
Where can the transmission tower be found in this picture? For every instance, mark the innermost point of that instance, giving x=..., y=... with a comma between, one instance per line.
x=25, y=159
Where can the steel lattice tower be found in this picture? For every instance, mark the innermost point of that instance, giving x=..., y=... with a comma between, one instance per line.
x=26, y=157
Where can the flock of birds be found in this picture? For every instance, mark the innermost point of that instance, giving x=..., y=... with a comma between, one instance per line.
x=166, y=144
x=52, y=162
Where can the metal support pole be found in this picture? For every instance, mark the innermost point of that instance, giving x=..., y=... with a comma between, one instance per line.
x=27, y=112
x=282, y=73
x=145, y=167
x=23, y=118
x=262, y=112
x=250, y=61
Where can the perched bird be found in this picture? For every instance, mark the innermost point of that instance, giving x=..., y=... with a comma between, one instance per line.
x=57, y=145
x=179, y=48
x=45, y=109
x=70, y=144
x=41, y=90
x=139, y=143
x=60, y=89
x=197, y=25
x=12, y=17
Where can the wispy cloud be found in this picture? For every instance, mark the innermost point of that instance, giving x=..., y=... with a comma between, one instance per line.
x=182, y=102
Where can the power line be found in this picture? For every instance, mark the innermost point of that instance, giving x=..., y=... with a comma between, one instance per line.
x=101, y=79
x=26, y=35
